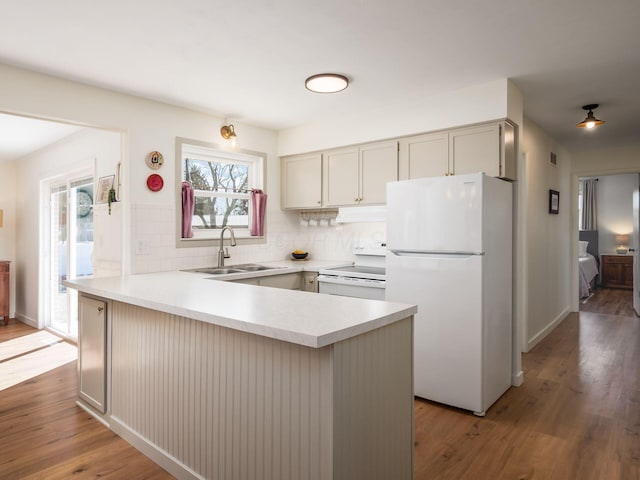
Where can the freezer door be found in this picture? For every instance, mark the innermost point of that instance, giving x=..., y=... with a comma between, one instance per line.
x=448, y=325
x=435, y=214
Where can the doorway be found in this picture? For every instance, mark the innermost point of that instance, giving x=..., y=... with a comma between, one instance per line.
x=67, y=246
x=605, y=231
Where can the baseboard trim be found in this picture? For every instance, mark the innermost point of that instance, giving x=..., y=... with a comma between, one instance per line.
x=94, y=414
x=27, y=320
x=155, y=453
x=517, y=379
x=547, y=330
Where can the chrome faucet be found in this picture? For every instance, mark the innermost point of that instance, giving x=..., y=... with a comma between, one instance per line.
x=222, y=254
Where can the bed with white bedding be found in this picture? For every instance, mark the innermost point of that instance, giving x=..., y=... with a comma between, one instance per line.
x=588, y=262
x=588, y=273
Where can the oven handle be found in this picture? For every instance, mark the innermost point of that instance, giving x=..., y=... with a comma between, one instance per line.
x=351, y=281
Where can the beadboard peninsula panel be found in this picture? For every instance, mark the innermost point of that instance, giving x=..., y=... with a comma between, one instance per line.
x=373, y=404
x=224, y=403
x=210, y=402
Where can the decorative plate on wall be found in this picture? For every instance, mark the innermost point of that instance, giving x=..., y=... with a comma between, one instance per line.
x=155, y=182
x=155, y=160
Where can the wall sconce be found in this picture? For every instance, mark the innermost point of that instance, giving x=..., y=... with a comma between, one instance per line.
x=229, y=133
x=590, y=121
x=623, y=241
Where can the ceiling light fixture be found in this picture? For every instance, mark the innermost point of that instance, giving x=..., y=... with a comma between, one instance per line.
x=229, y=133
x=590, y=121
x=326, y=83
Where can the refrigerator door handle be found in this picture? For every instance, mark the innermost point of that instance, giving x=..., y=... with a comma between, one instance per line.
x=415, y=253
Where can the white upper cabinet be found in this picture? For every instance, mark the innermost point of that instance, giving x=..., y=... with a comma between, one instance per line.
x=302, y=181
x=475, y=149
x=359, y=176
x=424, y=156
x=488, y=148
x=378, y=165
x=341, y=173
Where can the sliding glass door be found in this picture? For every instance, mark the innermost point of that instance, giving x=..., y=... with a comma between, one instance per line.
x=69, y=248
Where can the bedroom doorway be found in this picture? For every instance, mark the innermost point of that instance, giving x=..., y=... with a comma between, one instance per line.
x=606, y=235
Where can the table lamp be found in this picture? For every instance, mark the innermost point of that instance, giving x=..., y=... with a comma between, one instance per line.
x=623, y=241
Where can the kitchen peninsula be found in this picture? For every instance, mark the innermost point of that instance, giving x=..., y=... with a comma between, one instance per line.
x=215, y=379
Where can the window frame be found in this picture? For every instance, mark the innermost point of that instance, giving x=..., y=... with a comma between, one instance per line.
x=211, y=237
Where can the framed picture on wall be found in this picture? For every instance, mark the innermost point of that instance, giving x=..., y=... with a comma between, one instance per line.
x=554, y=202
x=104, y=185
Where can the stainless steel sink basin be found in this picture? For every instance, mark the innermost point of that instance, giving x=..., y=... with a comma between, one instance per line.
x=253, y=268
x=218, y=271
x=249, y=267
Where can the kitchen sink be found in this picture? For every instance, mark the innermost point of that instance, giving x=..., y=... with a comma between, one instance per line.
x=218, y=271
x=249, y=267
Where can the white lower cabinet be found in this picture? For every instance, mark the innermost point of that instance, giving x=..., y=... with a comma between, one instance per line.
x=92, y=352
x=289, y=281
x=310, y=282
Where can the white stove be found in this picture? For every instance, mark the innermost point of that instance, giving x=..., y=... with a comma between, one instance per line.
x=365, y=279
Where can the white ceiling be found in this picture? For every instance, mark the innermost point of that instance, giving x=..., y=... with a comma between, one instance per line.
x=247, y=60
x=20, y=136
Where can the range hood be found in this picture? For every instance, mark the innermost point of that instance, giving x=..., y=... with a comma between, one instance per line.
x=373, y=213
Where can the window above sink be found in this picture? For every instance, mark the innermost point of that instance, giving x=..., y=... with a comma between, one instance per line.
x=221, y=182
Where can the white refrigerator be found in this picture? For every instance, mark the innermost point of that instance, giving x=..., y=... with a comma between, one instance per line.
x=449, y=251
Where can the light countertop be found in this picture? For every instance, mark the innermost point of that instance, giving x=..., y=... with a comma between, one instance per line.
x=304, y=318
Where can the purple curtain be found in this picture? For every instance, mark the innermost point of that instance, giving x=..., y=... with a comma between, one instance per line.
x=258, y=206
x=188, y=204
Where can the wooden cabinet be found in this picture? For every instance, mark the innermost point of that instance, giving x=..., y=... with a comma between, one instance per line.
x=486, y=148
x=92, y=352
x=4, y=291
x=617, y=271
x=359, y=176
x=302, y=181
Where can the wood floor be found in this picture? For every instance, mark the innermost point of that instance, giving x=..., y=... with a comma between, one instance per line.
x=577, y=416
x=610, y=301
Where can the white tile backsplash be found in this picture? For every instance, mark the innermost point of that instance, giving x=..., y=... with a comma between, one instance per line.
x=154, y=226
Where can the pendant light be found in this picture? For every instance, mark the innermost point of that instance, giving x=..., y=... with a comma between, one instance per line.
x=590, y=121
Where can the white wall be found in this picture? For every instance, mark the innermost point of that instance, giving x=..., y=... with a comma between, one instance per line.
x=614, y=194
x=475, y=104
x=8, y=231
x=548, y=237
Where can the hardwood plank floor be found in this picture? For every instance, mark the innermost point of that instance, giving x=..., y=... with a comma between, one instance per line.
x=577, y=416
x=610, y=301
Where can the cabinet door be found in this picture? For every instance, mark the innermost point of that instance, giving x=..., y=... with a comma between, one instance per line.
x=378, y=165
x=302, y=181
x=424, y=156
x=475, y=149
x=341, y=177
x=310, y=280
x=289, y=281
x=92, y=352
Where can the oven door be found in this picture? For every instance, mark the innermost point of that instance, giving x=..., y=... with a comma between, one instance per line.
x=351, y=287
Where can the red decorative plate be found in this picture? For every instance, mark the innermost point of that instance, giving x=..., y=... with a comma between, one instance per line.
x=155, y=182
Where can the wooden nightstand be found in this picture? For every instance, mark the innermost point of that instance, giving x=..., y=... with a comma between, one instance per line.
x=4, y=291
x=616, y=271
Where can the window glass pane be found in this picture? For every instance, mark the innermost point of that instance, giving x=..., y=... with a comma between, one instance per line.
x=218, y=212
x=215, y=176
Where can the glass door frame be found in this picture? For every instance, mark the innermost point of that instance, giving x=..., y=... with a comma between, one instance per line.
x=46, y=275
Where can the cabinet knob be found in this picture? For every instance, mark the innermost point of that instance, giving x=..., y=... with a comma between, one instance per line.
x=100, y=309
x=319, y=202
